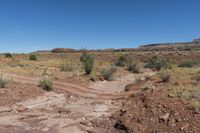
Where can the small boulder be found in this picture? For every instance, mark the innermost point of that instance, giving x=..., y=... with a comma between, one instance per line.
x=129, y=87
x=21, y=109
x=101, y=78
x=164, y=118
x=85, y=122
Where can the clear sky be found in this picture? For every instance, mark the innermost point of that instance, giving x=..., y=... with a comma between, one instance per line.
x=28, y=25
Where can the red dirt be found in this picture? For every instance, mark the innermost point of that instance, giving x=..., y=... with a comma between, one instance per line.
x=142, y=114
x=18, y=92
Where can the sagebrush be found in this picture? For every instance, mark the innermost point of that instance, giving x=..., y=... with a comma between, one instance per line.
x=46, y=84
x=108, y=72
x=88, y=62
x=33, y=57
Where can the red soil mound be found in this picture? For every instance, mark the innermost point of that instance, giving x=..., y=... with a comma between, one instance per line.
x=156, y=112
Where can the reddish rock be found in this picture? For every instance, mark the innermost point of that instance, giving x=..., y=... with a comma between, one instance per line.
x=21, y=109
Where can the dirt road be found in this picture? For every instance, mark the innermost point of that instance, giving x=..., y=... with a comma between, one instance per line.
x=76, y=89
x=87, y=109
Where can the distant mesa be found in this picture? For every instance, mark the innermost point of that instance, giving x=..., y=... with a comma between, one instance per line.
x=69, y=50
x=196, y=40
x=63, y=50
x=177, y=46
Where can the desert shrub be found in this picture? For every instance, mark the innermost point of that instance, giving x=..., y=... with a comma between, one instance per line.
x=138, y=79
x=195, y=106
x=187, y=64
x=164, y=76
x=93, y=76
x=108, y=73
x=8, y=55
x=134, y=67
x=147, y=86
x=166, y=64
x=195, y=76
x=3, y=82
x=66, y=67
x=156, y=63
x=85, y=56
x=153, y=63
x=88, y=62
x=88, y=66
x=45, y=72
x=147, y=77
x=33, y=57
x=123, y=60
x=175, y=80
x=46, y=84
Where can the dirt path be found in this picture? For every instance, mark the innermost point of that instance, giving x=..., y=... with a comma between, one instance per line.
x=76, y=89
x=88, y=110
x=56, y=113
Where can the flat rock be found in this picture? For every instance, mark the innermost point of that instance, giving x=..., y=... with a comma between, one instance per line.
x=100, y=108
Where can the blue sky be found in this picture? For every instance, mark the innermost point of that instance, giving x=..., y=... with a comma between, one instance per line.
x=28, y=25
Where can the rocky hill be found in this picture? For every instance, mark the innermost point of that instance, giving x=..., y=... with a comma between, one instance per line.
x=63, y=50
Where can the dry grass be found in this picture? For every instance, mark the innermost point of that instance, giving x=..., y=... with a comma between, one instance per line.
x=184, y=88
x=20, y=63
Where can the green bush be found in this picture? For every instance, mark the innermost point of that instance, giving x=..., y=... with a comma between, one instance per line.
x=166, y=64
x=85, y=56
x=134, y=67
x=66, y=67
x=46, y=84
x=88, y=62
x=156, y=63
x=123, y=60
x=108, y=73
x=33, y=57
x=165, y=76
x=93, y=76
x=8, y=55
x=88, y=66
x=187, y=64
x=3, y=82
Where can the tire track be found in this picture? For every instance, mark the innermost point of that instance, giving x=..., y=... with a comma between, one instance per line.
x=78, y=90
